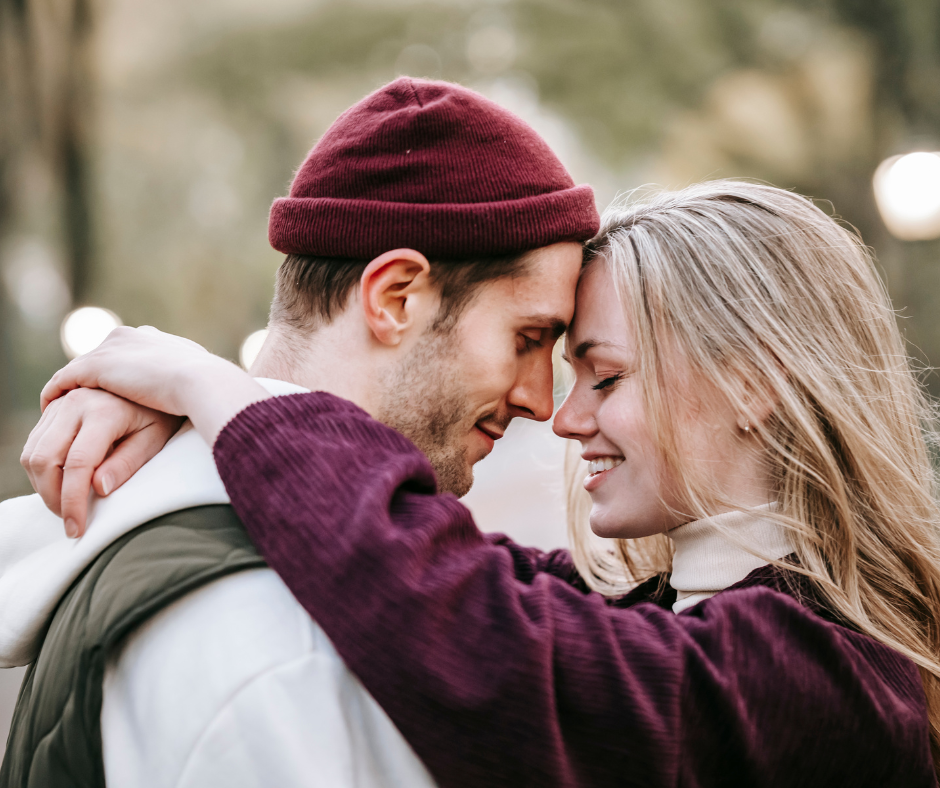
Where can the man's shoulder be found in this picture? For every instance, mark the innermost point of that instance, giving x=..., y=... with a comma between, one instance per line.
x=235, y=685
x=240, y=623
x=26, y=526
x=178, y=671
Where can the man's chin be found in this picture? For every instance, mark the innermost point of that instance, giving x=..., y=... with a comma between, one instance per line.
x=453, y=479
x=459, y=487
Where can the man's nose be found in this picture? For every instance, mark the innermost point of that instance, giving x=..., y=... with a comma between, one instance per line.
x=532, y=395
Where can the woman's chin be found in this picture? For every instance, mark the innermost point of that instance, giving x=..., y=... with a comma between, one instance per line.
x=607, y=525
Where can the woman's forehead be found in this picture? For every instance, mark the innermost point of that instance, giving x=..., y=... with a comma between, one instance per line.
x=598, y=310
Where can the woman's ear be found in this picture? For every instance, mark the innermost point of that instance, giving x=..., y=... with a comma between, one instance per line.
x=396, y=294
x=758, y=402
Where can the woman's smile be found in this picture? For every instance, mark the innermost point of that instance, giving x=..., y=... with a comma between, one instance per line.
x=598, y=470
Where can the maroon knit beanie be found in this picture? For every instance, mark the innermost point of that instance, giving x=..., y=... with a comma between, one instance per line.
x=434, y=167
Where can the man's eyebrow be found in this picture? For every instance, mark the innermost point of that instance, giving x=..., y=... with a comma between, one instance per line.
x=551, y=322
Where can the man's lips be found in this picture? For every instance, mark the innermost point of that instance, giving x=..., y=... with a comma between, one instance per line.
x=489, y=435
x=489, y=431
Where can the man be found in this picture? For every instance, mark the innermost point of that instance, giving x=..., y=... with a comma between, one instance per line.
x=433, y=246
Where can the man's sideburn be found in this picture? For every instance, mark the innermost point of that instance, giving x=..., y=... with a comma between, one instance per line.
x=424, y=399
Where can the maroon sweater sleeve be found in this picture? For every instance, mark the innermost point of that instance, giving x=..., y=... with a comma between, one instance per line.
x=500, y=672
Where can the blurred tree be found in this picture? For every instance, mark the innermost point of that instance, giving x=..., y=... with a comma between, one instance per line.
x=203, y=117
x=48, y=98
x=46, y=80
x=807, y=94
x=12, y=135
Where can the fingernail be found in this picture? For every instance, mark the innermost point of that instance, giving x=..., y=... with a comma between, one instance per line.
x=106, y=485
x=71, y=528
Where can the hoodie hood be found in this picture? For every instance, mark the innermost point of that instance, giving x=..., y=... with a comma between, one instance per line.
x=39, y=563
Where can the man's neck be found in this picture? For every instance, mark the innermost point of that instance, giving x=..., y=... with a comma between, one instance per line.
x=327, y=360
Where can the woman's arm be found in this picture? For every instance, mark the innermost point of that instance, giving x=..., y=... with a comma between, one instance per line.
x=500, y=673
x=163, y=372
x=92, y=438
x=109, y=411
x=529, y=561
x=501, y=679
x=495, y=679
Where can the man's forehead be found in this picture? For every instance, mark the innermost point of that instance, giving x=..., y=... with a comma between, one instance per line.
x=550, y=260
x=544, y=290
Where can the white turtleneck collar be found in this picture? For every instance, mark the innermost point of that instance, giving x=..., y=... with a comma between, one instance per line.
x=706, y=561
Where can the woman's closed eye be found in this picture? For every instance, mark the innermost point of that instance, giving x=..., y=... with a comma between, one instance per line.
x=607, y=382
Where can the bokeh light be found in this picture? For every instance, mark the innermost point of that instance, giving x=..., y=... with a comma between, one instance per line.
x=907, y=190
x=251, y=347
x=491, y=49
x=419, y=60
x=32, y=273
x=85, y=328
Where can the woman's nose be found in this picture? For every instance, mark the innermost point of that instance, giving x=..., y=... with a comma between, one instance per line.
x=574, y=420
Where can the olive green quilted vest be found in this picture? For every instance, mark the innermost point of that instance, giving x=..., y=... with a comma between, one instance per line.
x=55, y=739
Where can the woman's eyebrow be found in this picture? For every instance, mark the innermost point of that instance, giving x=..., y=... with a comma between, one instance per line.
x=589, y=344
x=583, y=347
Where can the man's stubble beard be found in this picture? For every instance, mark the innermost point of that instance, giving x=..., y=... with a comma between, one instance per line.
x=424, y=400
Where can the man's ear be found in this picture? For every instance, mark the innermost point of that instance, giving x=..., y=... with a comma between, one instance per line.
x=396, y=294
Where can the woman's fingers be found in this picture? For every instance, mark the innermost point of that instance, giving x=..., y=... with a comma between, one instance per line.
x=164, y=373
x=140, y=364
x=82, y=432
x=47, y=450
x=35, y=436
x=87, y=370
x=131, y=454
x=67, y=379
x=88, y=449
x=159, y=371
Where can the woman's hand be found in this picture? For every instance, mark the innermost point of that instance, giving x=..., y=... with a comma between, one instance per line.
x=162, y=372
x=90, y=439
x=143, y=365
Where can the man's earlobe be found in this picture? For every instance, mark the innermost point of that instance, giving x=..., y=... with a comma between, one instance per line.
x=396, y=294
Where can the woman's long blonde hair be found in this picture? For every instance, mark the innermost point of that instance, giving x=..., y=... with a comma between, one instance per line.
x=755, y=284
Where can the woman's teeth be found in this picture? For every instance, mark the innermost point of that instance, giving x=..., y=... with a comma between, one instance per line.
x=603, y=464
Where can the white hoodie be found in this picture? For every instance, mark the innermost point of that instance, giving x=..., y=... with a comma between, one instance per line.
x=233, y=685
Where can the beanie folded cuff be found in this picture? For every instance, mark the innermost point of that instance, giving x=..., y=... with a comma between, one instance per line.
x=364, y=229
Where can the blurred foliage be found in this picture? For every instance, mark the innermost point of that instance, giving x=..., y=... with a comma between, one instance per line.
x=810, y=95
x=202, y=111
x=45, y=100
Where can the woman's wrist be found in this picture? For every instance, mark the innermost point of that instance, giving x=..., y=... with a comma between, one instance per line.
x=212, y=394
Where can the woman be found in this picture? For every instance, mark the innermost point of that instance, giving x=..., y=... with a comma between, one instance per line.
x=744, y=400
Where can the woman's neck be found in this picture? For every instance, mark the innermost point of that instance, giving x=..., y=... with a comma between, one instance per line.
x=717, y=552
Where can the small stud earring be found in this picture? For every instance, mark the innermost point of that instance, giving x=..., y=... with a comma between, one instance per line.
x=747, y=425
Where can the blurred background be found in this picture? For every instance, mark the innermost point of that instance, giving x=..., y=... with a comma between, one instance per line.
x=142, y=142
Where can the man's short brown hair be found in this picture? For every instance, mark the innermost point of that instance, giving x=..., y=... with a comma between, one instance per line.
x=311, y=291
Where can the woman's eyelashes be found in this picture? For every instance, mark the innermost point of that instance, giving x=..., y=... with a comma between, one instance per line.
x=607, y=382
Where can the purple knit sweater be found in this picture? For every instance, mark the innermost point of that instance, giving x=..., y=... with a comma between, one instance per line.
x=500, y=669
